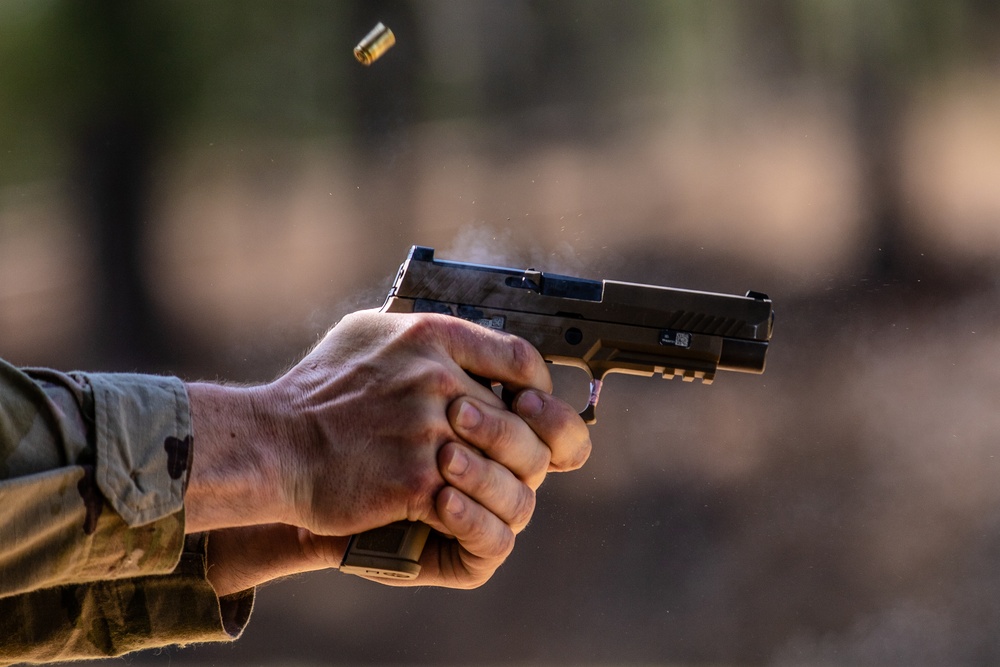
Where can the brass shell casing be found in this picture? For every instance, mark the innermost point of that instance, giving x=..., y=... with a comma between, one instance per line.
x=375, y=43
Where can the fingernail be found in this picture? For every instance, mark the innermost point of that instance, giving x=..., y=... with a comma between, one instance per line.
x=459, y=462
x=455, y=504
x=529, y=404
x=468, y=416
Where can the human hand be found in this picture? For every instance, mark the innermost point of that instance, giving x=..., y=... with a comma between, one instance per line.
x=362, y=439
x=348, y=439
x=485, y=505
x=370, y=404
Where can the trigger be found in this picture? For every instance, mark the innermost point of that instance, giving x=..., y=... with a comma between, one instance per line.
x=589, y=414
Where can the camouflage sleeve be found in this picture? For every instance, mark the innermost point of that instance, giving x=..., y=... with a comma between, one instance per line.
x=93, y=469
x=113, y=617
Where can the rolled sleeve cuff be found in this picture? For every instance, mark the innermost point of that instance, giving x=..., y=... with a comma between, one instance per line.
x=143, y=429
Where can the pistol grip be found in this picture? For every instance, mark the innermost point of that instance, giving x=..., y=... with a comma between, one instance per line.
x=391, y=551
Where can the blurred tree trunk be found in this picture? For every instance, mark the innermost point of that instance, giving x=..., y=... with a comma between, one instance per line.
x=114, y=150
x=113, y=157
x=878, y=106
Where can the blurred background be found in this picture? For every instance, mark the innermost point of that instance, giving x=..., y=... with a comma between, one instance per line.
x=202, y=188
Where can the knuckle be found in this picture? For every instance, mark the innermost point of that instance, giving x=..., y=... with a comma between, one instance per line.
x=493, y=433
x=496, y=544
x=430, y=329
x=419, y=431
x=426, y=379
x=567, y=436
x=419, y=331
x=421, y=326
x=500, y=432
x=578, y=457
x=505, y=544
x=421, y=483
x=583, y=454
x=523, y=509
x=524, y=358
x=536, y=463
x=439, y=380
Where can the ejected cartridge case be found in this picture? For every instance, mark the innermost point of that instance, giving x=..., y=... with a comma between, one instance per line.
x=375, y=43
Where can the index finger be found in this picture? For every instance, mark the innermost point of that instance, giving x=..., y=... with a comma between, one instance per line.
x=497, y=355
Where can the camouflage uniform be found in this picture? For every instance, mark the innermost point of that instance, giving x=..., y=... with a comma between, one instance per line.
x=93, y=557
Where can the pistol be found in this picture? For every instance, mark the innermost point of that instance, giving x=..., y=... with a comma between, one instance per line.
x=599, y=326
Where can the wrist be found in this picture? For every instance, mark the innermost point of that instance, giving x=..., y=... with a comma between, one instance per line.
x=235, y=472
